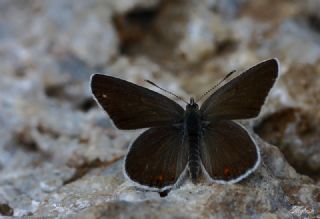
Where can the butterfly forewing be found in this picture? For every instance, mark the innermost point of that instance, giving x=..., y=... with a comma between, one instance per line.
x=227, y=151
x=157, y=158
x=131, y=106
x=243, y=96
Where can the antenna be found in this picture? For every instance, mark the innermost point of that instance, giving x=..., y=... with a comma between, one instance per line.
x=211, y=89
x=180, y=98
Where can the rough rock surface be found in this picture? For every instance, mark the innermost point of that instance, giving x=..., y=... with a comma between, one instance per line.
x=60, y=155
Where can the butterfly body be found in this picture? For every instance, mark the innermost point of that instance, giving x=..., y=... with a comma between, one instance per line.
x=195, y=140
x=192, y=134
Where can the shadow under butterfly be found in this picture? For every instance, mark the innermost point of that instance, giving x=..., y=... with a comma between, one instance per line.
x=195, y=140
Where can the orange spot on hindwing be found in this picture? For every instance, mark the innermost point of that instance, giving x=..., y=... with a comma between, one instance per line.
x=226, y=171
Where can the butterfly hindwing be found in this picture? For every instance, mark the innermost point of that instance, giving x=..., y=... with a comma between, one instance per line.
x=228, y=153
x=157, y=158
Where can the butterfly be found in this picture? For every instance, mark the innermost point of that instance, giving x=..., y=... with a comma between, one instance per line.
x=188, y=142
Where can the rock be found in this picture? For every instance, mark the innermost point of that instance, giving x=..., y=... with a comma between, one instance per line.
x=60, y=154
x=105, y=192
x=6, y=210
x=296, y=134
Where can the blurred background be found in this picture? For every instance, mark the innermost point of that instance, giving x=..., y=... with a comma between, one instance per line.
x=52, y=134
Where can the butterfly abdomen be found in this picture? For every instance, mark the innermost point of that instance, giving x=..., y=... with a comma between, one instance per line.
x=194, y=157
x=193, y=128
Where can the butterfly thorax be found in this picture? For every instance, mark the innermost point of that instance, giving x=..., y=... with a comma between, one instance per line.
x=192, y=130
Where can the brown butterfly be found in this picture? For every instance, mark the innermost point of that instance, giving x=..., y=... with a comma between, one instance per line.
x=192, y=140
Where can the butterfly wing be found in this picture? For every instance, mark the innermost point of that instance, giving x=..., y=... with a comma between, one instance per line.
x=228, y=153
x=243, y=96
x=131, y=106
x=158, y=158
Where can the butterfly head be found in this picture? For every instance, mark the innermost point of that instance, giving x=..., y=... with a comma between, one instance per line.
x=192, y=105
